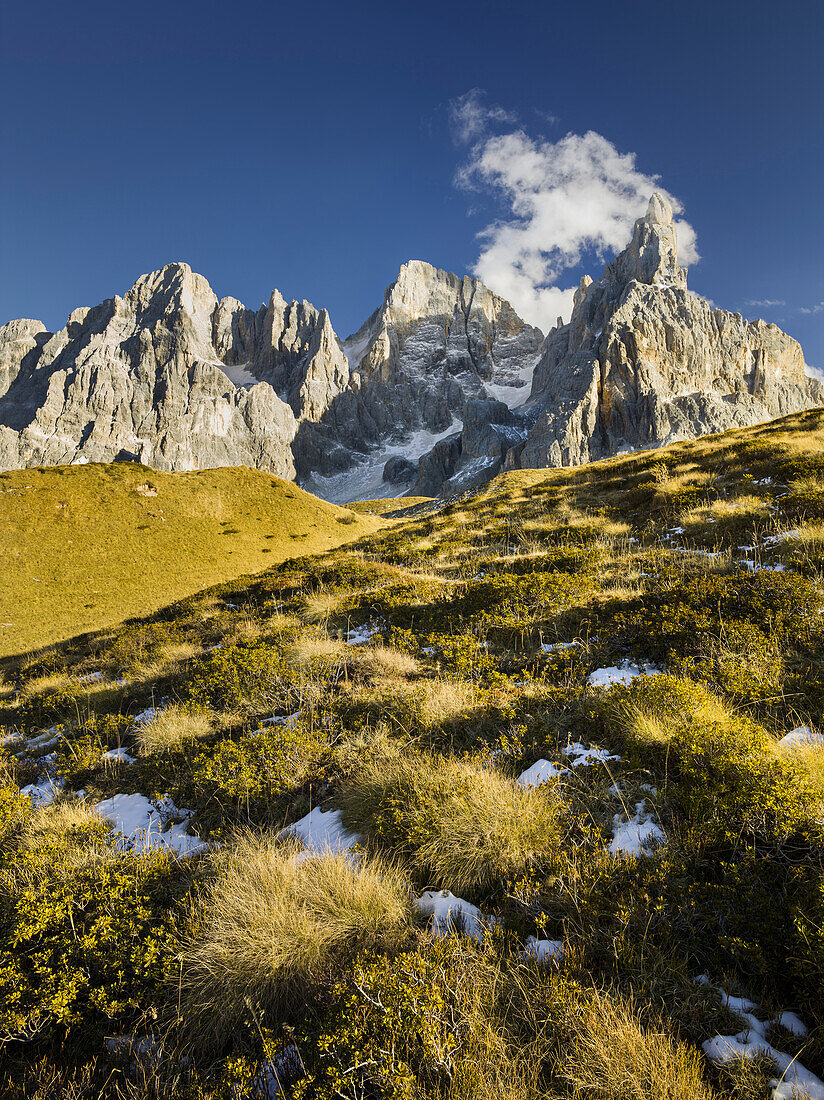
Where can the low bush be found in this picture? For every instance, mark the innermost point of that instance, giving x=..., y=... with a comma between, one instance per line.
x=89, y=933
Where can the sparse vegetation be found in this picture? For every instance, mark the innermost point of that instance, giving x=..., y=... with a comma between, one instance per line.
x=395, y=690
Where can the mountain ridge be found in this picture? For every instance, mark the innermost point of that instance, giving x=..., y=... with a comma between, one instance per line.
x=442, y=386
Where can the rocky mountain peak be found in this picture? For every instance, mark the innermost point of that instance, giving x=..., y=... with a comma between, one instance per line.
x=643, y=361
x=652, y=254
x=659, y=211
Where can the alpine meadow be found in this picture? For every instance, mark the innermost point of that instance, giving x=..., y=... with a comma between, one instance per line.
x=412, y=693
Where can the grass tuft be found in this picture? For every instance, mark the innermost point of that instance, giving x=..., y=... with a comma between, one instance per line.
x=277, y=923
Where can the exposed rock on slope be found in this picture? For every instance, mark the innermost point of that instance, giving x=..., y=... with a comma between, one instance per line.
x=172, y=377
x=644, y=361
x=137, y=378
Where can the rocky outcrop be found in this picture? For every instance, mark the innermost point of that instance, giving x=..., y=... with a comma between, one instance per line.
x=474, y=455
x=437, y=342
x=399, y=470
x=137, y=378
x=643, y=361
x=172, y=377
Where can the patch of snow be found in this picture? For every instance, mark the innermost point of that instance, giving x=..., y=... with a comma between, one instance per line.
x=364, y=481
x=636, y=837
x=361, y=634
x=91, y=678
x=354, y=349
x=287, y=720
x=322, y=832
x=139, y=824
x=145, y=716
x=624, y=673
x=553, y=646
x=544, y=950
x=239, y=375
x=540, y=772
x=283, y=1068
x=118, y=754
x=44, y=792
x=795, y=1080
x=802, y=735
x=584, y=757
x=44, y=740
x=754, y=567
x=450, y=914
x=516, y=391
x=792, y=1023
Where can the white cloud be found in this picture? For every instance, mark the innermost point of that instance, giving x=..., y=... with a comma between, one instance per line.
x=565, y=198
x=814, y=372
x=469, y=117
x=814, y=309
x=765, y=302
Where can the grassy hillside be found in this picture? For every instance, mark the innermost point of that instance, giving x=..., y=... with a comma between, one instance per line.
x=572, y=725
x=84, y=547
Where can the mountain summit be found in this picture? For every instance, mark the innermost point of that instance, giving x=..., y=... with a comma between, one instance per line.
x=172, y=377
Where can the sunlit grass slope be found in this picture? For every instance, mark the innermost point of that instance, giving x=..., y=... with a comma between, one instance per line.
x=85, y=547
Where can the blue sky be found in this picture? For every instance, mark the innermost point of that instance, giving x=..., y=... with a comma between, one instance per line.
x=312, y=147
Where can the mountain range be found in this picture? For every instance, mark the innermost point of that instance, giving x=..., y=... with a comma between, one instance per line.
x=441, y=387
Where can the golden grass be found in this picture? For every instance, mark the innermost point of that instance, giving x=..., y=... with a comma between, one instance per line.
x=466, y=825
x=275, y=923
x=611, y=1057
x=41, y=685
x=171, y=728
x=57, y=527
x=744, y=508
x=381, y=661
x=319, y=607
x=657, y=720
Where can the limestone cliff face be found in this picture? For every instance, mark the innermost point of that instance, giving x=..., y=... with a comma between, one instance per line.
x=169, y=376
x=436, y=342
x=435, y=345
x=643, y=361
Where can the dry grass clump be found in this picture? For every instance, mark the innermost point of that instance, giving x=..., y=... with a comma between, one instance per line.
x=656, y=718
x=612, y=1058
x=60, y=820
x=48, y=683
x=465, y=824
x=741, y=509
x=445, y=700
x=383, y=662
x=319, y=607
x=171, y=728
x=275, y=922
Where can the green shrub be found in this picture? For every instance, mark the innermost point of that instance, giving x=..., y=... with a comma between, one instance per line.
x=249, y=679
x=88, y=934
x=259, y=766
